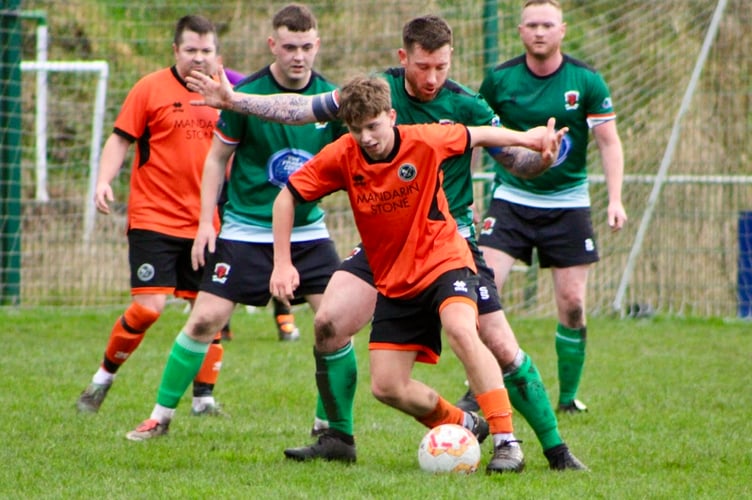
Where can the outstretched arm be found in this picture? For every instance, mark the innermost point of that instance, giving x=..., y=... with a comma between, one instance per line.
x=522, y=162
x=288, y=108
x=545, y=140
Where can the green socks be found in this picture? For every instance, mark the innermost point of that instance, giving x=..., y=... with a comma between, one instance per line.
x=528, y=396
x=182, y=366
x=320, y=411
x=570, y=349
x=336, y=378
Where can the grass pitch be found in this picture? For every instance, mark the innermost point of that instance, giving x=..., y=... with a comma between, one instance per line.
x=670, y=406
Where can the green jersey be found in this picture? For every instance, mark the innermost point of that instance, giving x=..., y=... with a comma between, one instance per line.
x=266, y=154
x=454, y=103
x=578, y=97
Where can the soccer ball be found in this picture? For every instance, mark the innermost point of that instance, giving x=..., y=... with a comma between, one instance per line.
x=449, y=448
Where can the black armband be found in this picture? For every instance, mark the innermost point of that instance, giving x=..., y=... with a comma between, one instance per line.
x=326, y=106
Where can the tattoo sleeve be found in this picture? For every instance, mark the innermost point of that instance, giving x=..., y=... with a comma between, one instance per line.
x=521, y=162
x=282, y=108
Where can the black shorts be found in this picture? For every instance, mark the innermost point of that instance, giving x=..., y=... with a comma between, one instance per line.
x=488, y=295
x=414, y=324
x=563, y=236
x=240, y=271
x=161, y=264
x=357, y=263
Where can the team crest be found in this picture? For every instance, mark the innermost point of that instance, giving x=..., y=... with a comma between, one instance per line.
x=355, y=251
x=488, y=225
x=145, y=272
x=407, y=172
x=221, y=272
x=571, y=100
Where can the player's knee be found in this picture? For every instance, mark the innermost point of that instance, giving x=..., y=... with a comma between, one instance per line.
x=463, y=338
x=324, y=326
x=385, y=393
x=575, y=314
x=328, y=326
x=204, y=326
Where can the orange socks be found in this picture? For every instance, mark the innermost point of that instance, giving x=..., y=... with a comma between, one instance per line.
x=444, y=413
x=497, y=410
x=127, y=334
x=209, y=371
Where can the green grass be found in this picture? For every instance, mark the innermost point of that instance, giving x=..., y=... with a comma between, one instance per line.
x=670, y=405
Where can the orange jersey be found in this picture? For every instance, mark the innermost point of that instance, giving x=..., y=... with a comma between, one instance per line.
x=172, y=140
x=400, y=209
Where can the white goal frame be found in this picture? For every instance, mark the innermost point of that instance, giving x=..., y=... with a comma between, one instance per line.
x=101, y=68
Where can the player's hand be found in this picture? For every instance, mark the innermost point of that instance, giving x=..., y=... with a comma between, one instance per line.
x=103, y=194
x=217, y=94
x=206, y=240
x=283, y=282
x=551, y=142
x=539, y=138
x=546, y=140
x=617, y=216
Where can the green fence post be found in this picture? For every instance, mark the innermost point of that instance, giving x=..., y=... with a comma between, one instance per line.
x=490, y=34
x=490, y=58
x=10, y=153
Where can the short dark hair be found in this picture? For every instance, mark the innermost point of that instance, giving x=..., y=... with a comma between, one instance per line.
x=363, y=98
x=430, y=32
x=294, y=17
x=197, y=24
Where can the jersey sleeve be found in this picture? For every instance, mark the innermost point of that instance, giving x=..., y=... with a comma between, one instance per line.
x=321, y=175
x=600, y=109
x=230, y=127
x=481, y=113
x=484, y=115
x=132, y=119
x=487, y=87
x=452, y=140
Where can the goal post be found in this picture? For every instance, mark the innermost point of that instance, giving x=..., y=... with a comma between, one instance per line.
x=101, y=68
x=40, y=128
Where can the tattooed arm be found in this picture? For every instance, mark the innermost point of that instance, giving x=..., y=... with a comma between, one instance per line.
x=522, y=162
x=290, y=108
x=510, y=147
